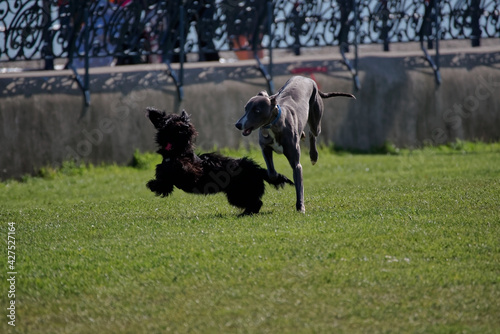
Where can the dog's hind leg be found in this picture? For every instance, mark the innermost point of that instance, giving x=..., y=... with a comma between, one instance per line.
x=313, y=150
x=314, y=121
x=252, y=209
x=247, y=188
x=251, y=203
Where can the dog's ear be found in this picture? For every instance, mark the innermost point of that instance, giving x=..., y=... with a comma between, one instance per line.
x=262, y=93
x=185, y=116
x=272, y=98
x=156, y=117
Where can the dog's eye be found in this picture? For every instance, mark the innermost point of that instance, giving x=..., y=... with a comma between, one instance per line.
x=257, y=111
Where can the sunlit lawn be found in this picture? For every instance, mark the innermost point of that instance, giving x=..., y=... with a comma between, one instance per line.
x=406, y=243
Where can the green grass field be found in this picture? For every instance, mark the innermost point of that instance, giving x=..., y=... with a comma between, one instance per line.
x=402, y=243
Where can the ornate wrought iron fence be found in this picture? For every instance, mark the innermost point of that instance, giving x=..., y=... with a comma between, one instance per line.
x=136, y=31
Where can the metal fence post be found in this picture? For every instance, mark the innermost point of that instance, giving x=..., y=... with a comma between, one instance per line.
x=181, y=42
x=344, y=44
x=267, y=73
x=384, y=33
x=86, y=87
x=431, y=17
x=174, y=34
x=475, y=14
x=437, y=22
x=85, y=82
x=47, y=52
x=357, y=84
x=270, y=17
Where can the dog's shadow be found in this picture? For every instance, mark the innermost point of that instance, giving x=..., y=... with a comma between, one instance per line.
x=230, y=215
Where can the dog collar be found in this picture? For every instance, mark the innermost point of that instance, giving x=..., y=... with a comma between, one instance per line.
x=275, y=120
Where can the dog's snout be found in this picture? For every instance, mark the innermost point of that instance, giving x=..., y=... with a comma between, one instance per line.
x=241, y=123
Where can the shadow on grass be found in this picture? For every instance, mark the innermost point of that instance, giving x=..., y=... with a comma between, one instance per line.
x=458, y=146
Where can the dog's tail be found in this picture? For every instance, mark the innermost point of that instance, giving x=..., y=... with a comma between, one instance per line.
x=335, y=94
x=278, y=182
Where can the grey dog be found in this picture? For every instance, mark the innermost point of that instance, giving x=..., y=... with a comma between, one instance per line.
x=282, y=118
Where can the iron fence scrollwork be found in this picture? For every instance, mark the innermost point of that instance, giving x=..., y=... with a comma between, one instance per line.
x=99, y=32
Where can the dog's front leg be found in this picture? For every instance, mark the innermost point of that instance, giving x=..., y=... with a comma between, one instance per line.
x=160, y=188
x=162, y=184
x=267, y=152
x=294, y=160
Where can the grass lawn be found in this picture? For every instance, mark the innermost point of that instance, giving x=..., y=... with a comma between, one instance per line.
x=405, y=243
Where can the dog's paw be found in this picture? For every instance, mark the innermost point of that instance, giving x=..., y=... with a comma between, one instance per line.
x=159, y=188
x=301, y=208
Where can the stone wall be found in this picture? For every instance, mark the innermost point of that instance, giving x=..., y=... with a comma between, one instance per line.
x=43, y=119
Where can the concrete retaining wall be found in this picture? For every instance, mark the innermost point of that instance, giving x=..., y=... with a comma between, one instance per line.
x=43, y=120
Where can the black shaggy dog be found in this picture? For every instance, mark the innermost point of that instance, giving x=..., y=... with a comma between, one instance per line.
x=242, y=180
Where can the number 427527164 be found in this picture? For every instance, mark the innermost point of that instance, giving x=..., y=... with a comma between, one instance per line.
x=11, y=246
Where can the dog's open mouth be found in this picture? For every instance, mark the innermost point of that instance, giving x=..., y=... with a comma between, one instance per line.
x=248, y=131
